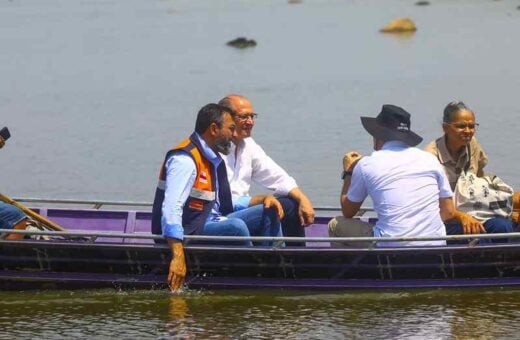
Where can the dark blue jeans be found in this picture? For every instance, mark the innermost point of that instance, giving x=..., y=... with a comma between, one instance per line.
x=291, y=225
x=493, y=226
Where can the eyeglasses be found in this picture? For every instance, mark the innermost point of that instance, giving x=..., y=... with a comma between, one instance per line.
x=246, y=116
x=463, y=126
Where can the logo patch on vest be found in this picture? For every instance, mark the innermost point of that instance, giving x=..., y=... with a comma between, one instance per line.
x=202, y=194
x=203, y=178
x=196, y=205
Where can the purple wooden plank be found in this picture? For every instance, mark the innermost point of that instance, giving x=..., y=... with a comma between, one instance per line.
x=139, y=222
x=143, y=222
x=130, y=226
x=317, y=230
x=91, y=220
x=43, y=212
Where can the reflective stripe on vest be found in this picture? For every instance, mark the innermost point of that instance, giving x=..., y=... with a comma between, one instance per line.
x=202, y=195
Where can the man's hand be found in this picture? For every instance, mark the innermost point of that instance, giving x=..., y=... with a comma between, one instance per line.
x=469, y=224
x=2, y=142
x=305, y=211
x=177, y=271
x=350, y=160
x=271, y=202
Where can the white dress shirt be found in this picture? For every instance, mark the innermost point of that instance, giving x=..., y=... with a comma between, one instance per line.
x=405, y=185
x=247, y=163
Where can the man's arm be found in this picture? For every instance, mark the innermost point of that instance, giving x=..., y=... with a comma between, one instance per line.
x=349, y=208
x=305, y=208
x=447, y=208
x=266, y=172
x=177, y=270
x=469, y=224
x=269, y=201
x=180, y=176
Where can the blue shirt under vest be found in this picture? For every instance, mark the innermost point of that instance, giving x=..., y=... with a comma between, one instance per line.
x=181, y=173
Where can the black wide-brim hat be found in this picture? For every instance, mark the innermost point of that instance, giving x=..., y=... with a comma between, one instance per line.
x=392, y=123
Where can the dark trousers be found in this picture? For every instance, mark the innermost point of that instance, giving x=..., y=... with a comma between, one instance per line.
x=291, y=226
x=493, y=226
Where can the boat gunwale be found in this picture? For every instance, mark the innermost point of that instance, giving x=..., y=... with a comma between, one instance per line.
x=149, y=236
x=438, y=250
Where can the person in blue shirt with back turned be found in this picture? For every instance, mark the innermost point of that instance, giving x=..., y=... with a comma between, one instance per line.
x=193, y=195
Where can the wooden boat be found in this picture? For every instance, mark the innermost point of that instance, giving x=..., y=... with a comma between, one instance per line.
x=109, y=245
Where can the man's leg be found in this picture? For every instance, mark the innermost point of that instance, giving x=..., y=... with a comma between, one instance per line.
x=291, y=225
x=349, y=227
x=12, y=218
x=259, y=221
x=228, y=227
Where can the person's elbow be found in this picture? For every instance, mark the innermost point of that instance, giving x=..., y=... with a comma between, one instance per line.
x=447, y=209
x=349, y=208
x=447, y=215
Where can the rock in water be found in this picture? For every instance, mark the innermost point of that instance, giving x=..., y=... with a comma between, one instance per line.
x=422, y=3
x=400, y=25
x=241, y=42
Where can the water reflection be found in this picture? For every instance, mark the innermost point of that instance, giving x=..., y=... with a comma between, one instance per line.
x=439, y=314
x=178, y=325
x=178, y=308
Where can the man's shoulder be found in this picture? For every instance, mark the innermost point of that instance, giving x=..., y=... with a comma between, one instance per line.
x=250, y=145
x=180, y=156
x=249, y=141
x=424, y=155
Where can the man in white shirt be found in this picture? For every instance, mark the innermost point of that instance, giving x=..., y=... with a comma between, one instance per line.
x=247, y=162
x=409, y=189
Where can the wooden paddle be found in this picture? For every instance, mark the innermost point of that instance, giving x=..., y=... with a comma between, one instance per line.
x=32, y=214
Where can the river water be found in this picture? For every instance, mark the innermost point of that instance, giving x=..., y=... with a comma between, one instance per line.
x=95, y=91
x=433, y=314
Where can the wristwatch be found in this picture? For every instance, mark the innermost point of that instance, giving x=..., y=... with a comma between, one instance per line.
x=345, y=174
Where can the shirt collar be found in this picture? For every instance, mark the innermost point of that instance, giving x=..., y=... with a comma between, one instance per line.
x=209, y=154
x=394, y=144
x=444, y=154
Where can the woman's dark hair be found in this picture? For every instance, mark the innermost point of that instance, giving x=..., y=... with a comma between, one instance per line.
x=211, y=113
x=452, y=108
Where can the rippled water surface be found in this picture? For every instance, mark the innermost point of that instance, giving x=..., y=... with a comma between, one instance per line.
x=434, y=314
x=94, y=92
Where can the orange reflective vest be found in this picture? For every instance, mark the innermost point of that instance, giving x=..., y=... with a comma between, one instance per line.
x=203, y=193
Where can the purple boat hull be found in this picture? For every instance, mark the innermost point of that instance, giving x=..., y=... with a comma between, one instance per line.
x=124, y=262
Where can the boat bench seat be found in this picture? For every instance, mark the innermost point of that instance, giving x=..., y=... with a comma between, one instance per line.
x=92, y=220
